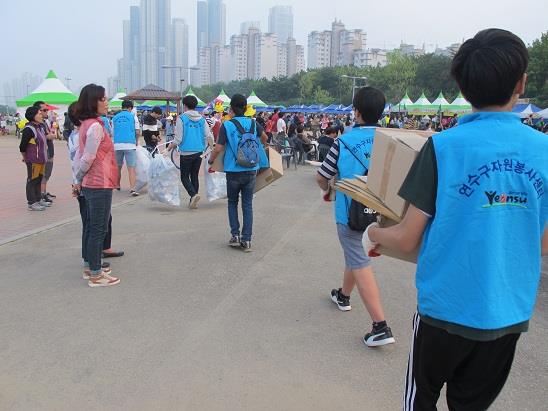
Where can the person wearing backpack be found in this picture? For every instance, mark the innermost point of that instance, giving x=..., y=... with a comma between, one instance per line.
x=349, y=155
x=243, y=152
x=192, y=136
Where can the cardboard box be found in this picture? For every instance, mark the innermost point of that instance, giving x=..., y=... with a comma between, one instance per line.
x=394, y=151
x=265, y=176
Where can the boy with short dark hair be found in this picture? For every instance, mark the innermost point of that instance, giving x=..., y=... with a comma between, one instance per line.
x=349, y=155
x=192, y=136
x=479, y=211
x=240, y=179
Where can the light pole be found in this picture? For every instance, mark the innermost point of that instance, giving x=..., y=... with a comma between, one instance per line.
x=354, y=78
x=67, y=79
x=181, y=79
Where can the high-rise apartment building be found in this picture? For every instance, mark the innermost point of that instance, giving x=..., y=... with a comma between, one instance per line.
x=266, y=56
x=282, y=60
x=301, y=63
x=340, y=47
x=280, y=22
x=216, y=12
x=246, y=25
x=178, y=55
x=204, y=65
x=202, y=38
x=238, y=57
x=350, y=42
x=319, y=49
x=155, y=16
x=337, y=27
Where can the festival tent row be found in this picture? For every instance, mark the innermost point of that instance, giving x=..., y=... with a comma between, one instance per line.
x=524, y=110
x=423, y=106
x=51, y=91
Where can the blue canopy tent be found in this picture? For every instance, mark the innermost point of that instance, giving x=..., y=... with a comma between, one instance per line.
x=525, y=110
x=315, y=108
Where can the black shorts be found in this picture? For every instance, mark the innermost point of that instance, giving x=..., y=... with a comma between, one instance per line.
x=475, y=371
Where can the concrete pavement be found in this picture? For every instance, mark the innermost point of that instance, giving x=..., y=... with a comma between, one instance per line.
x=195, y=325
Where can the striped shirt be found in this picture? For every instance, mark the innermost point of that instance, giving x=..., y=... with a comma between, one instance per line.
x=329, y=168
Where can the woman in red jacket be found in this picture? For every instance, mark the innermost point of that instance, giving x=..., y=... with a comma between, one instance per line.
x=96, y=175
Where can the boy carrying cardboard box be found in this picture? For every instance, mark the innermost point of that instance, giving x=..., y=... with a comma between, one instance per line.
x=479, y=211
x=349, y=155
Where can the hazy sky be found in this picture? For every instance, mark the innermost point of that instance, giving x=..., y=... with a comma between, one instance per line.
x=83, y=39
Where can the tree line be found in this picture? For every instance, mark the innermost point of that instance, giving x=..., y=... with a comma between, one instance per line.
x=428, y=73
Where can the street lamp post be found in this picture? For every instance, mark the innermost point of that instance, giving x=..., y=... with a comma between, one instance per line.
x=354, y=78
x=67, y=79
x=181, y=79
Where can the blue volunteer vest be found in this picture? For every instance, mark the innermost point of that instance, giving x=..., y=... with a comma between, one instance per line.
x=106, y=123
x=479, y=264
x=360, y=141
x=123, y=124
x=193, y=135
x=231, y=148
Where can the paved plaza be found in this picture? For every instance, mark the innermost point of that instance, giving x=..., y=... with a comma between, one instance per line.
x=195, y=325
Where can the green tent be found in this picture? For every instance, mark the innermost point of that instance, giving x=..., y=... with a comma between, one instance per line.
x=190, y=92
x=403, y=105
x=51, y=90
x=440, y=103
x=224, y=98
x=116, y=102
x=460, y=105
x=255, y=101
x=421, y=106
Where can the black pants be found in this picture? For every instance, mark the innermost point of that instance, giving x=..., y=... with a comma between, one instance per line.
x=35, y=173
x=475, y=371
x=190, y=167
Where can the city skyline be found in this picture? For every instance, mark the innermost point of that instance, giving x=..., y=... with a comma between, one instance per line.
x=66, y=40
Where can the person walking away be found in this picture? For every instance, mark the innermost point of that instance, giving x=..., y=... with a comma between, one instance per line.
x=50, y=149
x=96, y=176
x=349, y=156
x=468, y=188
x=192, y=136
x=281, y=131
x=240, y=176
x=169, y=129
x=151, y=131
x=125, y=143
x=33, y=150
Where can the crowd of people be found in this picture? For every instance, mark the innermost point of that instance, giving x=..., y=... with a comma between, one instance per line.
x=473, y=304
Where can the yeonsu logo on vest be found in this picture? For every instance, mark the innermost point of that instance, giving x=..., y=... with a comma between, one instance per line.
x=510, y=199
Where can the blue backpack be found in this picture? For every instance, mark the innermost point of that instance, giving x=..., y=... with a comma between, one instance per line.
x=247, y=154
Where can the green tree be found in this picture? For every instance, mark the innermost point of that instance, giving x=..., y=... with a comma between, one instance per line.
x=538, y=71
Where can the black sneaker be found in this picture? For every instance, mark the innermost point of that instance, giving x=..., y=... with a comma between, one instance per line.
x=342, y=301
x=378, y=337
x=234, y=241
x=246, y=246
x=46, y=198
x=51, y=195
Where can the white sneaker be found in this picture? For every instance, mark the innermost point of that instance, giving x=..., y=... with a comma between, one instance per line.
x=36, y=207
x=44, y=203
x=103, y=280
x=194, y=201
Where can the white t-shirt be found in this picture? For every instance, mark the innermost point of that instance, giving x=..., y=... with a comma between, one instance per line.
x=280, y=125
